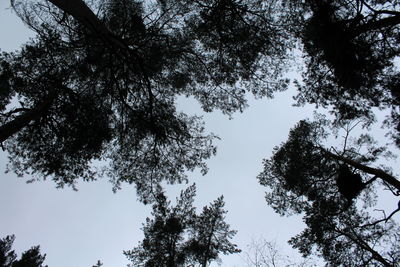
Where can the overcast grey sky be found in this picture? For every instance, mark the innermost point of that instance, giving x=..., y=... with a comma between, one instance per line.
x=75, y=229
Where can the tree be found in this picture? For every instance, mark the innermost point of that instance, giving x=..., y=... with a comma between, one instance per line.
x=177, y=236
x=7, y=256
x=303, y=178
x=350, y=50
x=29, y=258
x=264, y=253
x=101, y=79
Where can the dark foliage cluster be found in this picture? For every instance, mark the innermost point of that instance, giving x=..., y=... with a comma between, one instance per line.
x=349, y=184
x=29, y=258
x=350, y=55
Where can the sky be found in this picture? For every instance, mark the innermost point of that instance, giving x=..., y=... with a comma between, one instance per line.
x=77, y=228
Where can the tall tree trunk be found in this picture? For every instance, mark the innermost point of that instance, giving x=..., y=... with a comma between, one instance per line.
x=377, y=172
x=82, y=13
x=12, y=127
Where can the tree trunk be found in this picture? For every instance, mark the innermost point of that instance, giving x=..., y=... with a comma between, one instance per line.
x=82, y=13
x=12, y=127
x=377, y=172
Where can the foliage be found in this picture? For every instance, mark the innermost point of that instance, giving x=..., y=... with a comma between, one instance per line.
x=177, y=236
x=350, y=50
x=29, y=258
x=101, y=80
x=103, y=85
x=302, y=178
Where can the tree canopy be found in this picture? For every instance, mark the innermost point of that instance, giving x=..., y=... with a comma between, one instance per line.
x=29, y=258
x=101, y=79
x=100, y=83
x=305, y=178
x=177, y=236
x=350, y=50
x=120, y=65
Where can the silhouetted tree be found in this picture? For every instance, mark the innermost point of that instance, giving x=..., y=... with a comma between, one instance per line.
x=302, y=177
x=29, y=258
x=350, y=49
x=177, y=236
x=101, y=79
x=7, y=256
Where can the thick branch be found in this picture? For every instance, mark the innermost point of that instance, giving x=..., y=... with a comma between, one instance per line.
x=373, y=171
x=378, y=24
x=10, y=128
x=82, y=13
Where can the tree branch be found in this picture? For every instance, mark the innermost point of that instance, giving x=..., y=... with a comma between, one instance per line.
x=82, y=13
x=12, y=127
x=373, y=171
x=378, y=24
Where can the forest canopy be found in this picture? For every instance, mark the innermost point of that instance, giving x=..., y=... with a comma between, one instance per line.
x=100, y=82
x=101, y=79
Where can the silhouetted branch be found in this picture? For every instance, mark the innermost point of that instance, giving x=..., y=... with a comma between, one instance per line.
x=82, y=13
x=374, y=171
x=12, y=127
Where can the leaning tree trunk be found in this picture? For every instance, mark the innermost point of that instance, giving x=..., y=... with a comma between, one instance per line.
x=18, y=123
